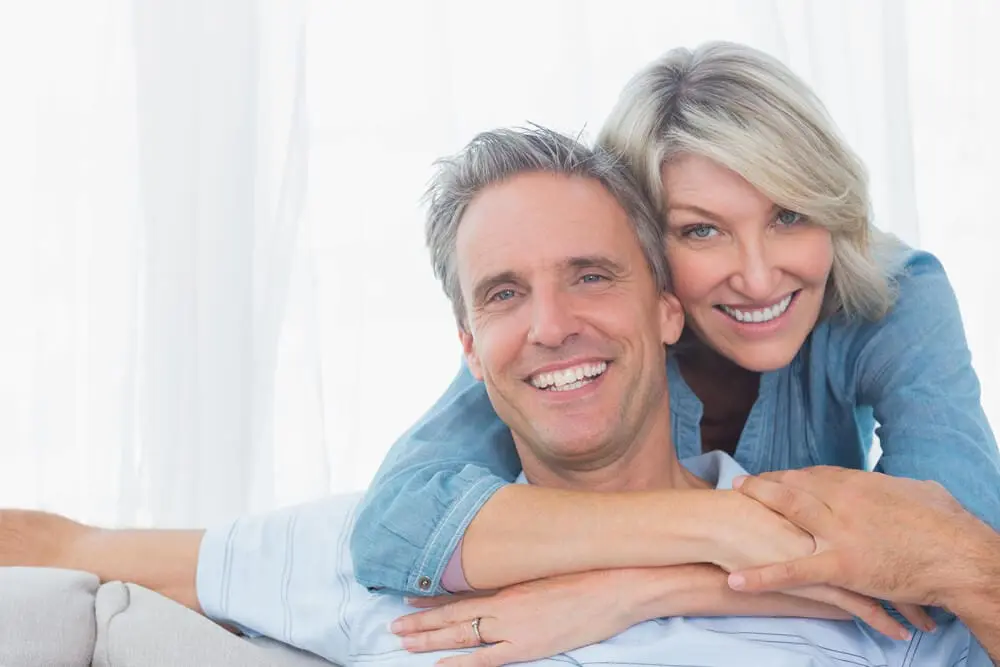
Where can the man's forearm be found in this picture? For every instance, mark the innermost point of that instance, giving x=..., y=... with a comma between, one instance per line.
x=525, y=533
x=165, y=561
x=972, y=591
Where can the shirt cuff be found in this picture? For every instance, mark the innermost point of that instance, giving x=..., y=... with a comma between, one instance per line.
x=213, y=576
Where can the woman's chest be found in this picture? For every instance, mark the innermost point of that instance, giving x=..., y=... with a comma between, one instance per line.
x=792, y=420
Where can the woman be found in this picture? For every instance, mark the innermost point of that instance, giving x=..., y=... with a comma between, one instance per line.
x=805, y=326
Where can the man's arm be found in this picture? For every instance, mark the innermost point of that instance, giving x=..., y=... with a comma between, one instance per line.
x=265, y=574
x=970, y=586
x=165, y=561
x=897, y=539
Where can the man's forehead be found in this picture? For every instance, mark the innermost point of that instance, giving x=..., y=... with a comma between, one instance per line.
x=541, y=220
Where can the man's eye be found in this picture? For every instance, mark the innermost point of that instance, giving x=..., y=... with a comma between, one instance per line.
x=503, y=295
x=788, y=218
x=699, y=232
x=593, y=278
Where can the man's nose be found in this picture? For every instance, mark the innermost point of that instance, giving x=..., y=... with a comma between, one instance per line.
x=553, y=320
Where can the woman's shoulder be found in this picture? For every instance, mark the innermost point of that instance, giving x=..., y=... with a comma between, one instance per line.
x=924, y=310
x=921, y=290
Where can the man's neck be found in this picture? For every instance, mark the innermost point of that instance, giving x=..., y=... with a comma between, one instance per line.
x=648, y=463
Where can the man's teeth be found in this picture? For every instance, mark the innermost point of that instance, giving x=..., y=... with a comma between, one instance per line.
x=762, y=315
x=568, y=379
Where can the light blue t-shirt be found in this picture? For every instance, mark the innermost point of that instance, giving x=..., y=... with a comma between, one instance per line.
x=288, y=575
x=911, y=371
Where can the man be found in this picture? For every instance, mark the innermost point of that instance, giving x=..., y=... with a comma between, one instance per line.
x=555, y=270
x=897, y=539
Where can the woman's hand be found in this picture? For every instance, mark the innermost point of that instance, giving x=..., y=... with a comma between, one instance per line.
x=543, y=618
x=529, y=621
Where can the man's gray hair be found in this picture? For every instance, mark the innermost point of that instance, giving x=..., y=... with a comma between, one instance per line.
x=496, y=156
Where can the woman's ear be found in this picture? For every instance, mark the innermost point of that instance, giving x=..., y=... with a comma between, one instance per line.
x=671, y=318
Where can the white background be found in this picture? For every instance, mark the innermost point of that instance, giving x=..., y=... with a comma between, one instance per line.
x=214, y=289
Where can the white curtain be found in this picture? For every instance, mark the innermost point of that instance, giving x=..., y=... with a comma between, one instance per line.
x=216, y=293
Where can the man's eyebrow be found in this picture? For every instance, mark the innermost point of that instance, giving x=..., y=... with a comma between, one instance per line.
x=596, y=261
x=484, y=285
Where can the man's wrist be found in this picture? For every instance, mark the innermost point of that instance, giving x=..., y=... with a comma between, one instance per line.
x=86, y=549
x=963, y=583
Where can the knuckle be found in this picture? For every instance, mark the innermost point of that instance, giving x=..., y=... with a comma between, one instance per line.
x=462, y=634
x=785, y=498
x=789, y=571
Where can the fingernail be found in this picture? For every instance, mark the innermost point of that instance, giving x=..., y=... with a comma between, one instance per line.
x=409, y=600
x=905, y=635
x=737, y=582
x=395, y=627
x=738, y=481
x=931, y=626
x=408, y=642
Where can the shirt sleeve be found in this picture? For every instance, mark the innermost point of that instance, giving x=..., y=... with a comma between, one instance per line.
x=914, y=369
x=286, y=575
x=434, y=480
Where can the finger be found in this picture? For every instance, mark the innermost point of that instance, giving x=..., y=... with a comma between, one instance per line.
x=821, y=568
x=798, y=506
x=819, y=480
x=870, y=611
x=460, y=635
x=494, y=655
x=916, y=615
x=435, y=619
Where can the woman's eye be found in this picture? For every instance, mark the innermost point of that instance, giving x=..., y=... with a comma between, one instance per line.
x=788, y=218
x=503, y=295
x=700, y=232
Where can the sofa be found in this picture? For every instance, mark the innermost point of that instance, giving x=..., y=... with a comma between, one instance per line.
x=67, y=618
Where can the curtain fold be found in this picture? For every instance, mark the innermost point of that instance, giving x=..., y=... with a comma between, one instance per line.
x=212, y=268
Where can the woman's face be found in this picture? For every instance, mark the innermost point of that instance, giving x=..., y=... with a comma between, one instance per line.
x=750, y=275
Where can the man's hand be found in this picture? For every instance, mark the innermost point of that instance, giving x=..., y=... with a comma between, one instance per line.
x=165, y=561
x=881, y=536
x=40, y=539
x=758, y=536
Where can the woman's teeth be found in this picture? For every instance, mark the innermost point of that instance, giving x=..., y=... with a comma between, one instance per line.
x=760, y=315
x=568, y=379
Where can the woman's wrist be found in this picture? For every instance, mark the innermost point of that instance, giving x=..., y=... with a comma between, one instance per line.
x=663, y=592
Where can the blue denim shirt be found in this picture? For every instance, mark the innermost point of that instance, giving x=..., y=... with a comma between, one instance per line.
x=910, y=371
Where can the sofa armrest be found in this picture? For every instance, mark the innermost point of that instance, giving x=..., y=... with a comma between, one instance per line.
x=46, y=617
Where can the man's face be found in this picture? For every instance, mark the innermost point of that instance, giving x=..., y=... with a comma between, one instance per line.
x=565, y=324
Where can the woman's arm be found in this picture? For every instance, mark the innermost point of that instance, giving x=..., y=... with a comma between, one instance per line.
x=539, y=619
x=525, y=533
x=446, y=480
x=914, y=368
x=433, y=481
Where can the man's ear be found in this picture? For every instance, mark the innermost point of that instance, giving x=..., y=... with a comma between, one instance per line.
x=471, y=357
x=671, y=318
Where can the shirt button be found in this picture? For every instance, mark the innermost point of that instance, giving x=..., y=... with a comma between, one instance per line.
x=424, y=583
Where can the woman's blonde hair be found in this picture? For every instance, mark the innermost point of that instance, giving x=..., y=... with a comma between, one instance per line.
x=748, y=112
